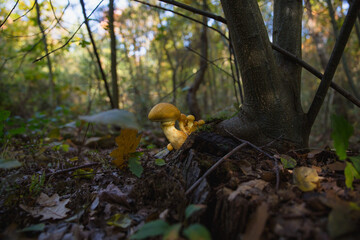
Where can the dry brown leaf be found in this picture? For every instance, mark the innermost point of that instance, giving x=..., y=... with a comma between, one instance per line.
x=306, y=179
x=127, y=143
x=48, y=207
x=248, y=188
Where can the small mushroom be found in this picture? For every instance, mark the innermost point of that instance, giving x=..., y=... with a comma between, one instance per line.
x=183, y=123
x=167, y=114
x=196, y=125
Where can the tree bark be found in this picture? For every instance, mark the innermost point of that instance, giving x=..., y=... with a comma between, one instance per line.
x=49, y=64
x=200, y=76
x=114, y=78
x=271, y=108
x=103, y=75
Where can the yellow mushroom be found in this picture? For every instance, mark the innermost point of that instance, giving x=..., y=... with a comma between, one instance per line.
x=167, y=114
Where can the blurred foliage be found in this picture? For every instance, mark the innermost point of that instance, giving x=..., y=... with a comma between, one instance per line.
x=155, y=63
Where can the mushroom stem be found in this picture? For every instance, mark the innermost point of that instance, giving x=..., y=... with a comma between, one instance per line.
x=175, y=136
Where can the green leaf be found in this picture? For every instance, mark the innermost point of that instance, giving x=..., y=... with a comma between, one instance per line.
x=115, y=117
x=356, y=162
x=17, y=131
x=151, y=229
x=197, y=232
x=288, y=162
x=135, y=166
x=34, y=228
x=160, y=162
x=350, y=174
x=120, y=220
x=9, y=163
x=4, y=114
x=172, y=233
x=191, y=209
x=341, y=132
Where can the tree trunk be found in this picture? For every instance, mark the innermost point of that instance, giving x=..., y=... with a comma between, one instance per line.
x=51, y=76
x=96, y=54
x=114, y=78
x=200, y=76
x=272, y=108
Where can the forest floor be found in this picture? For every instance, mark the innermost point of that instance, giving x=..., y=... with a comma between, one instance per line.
x=65, y=190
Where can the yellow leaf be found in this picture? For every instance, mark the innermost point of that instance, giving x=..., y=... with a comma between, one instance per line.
x=127, y=143
x=305, y=178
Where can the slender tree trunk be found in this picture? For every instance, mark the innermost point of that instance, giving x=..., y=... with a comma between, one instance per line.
x=49, y=64
x=200, y=76
x=343, y=59
x=103, y=75
x=114, y=78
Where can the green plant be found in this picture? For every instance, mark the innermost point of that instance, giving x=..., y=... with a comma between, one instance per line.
x=342, y=130
x=37, y=184
x=161, y=228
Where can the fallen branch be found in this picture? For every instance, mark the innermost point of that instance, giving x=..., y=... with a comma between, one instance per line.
x=210, y=170
x=71, y=169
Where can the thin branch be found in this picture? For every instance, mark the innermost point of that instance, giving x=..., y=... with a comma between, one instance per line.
x=71, y=169
x=195, y=10
x=302, y=63
x=58, y=19
x=182, y=15
x=72, y=36
x=29, y=10
x=266, y=154
x=211, y=62
x=213, y=167
x=333, y=62
x=103, y=75
x=317, y=74
x=1, y=24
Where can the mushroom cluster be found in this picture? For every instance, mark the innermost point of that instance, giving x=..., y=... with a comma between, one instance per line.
x=167, y=114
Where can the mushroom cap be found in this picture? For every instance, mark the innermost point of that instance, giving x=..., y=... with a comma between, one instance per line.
x=164, y=112
x=191, y=118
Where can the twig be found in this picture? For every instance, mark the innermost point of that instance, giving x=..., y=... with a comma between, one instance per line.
x=317, y=74
x=182, y=15
x=207, y=60
x=266, y=154
x=1, y=24
x=71, y=169
x=210, y=170
x=72, y=36
x=333, y=62
x=29, y=10
x=195, y=10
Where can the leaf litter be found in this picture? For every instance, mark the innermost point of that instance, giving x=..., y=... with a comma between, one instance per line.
x=113, y=204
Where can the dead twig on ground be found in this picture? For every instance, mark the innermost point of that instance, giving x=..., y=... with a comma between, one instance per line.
x=210, y=170
x=71, y=169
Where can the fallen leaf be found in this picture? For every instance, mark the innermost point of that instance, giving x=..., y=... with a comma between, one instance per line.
x=248, y=188
x=113, y=194
x=306, y=179
x=127, y=143
x=48, y=207
x=116, y=117
x=337, y=166
x=341, y=222
x=314, y=152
